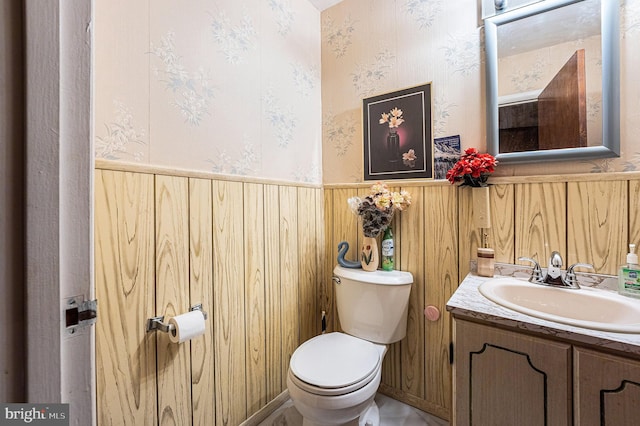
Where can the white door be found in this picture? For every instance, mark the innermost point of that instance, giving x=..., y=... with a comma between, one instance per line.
x=60, y=366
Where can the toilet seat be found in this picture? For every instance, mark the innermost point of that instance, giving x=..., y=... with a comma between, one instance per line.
x=334, y=364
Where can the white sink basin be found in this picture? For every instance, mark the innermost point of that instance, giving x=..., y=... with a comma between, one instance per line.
x=585, y=307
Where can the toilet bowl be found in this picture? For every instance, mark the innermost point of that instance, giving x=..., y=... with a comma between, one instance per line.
x=333, y=379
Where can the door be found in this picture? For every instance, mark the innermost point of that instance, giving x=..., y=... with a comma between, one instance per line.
x=504, y=378
x=562, y=107
x=12, y=121
x=607, y=389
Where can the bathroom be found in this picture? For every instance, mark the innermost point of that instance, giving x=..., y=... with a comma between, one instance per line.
x=298, y=76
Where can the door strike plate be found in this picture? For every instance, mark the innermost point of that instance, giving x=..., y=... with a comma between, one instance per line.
x=80, y=313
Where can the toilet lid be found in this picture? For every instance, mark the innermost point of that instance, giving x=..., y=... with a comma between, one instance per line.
x=334, y=360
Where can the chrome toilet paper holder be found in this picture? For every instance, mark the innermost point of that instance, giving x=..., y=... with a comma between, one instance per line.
x=157, y=323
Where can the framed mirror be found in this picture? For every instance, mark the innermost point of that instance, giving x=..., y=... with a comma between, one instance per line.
x=553, y=81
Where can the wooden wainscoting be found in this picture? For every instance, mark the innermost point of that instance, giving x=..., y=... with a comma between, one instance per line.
x=259, y=256
x=416, y=370
x=249, y=251
x=125, y=287
x=587, y=218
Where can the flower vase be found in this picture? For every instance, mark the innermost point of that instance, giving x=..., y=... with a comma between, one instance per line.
x=481, y=207
x=393, y=145
x=369, y=257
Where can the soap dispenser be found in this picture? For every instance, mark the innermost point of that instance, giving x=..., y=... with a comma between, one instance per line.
x=629, y=275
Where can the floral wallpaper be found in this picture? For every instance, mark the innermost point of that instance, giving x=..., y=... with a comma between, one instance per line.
x=120, y=136
x=273, y=88
x=189, y=89
x=372, y=47
x=207, y=85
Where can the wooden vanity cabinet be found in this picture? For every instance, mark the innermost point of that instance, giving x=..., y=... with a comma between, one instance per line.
x=606, y=390
x=507, y=378
x=504, y=378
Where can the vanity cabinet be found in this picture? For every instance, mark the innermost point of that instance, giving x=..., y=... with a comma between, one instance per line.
x=607, y=389
x=507, y=378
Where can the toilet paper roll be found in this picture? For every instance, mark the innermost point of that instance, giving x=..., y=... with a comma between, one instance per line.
x=187, y=326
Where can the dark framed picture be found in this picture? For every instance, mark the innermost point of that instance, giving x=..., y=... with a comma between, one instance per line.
x=398, y=140
x=446, y=153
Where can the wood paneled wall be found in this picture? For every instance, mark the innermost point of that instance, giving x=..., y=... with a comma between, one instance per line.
x=415, y=370
x=587, y=218
x=248, y=251
x=259, y=256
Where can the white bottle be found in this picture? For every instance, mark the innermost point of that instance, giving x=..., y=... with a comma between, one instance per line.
x=629, y=275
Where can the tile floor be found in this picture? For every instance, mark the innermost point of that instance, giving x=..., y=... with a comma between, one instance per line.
x=392, y=413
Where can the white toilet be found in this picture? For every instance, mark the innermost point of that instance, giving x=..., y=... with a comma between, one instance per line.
x=333, y=378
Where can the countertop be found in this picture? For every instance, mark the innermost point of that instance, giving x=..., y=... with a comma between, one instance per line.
x=468, y=303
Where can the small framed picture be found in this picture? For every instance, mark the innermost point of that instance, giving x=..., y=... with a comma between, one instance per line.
x=447, y=153
x=398, y=140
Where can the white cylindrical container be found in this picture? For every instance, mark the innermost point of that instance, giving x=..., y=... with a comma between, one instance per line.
x=187, y=326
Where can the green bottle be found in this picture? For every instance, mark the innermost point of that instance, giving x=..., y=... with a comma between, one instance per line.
x=387, y=250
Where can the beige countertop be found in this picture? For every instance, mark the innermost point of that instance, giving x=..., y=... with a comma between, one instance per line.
x=468, y=303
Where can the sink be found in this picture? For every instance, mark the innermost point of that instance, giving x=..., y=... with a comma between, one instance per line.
x=586, y=307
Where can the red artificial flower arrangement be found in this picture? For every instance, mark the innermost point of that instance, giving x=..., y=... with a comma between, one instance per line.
x=472, y=169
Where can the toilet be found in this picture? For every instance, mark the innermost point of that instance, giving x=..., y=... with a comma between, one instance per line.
x=333, y=378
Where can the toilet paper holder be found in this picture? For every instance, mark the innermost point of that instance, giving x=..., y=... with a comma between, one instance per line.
x=157, y=324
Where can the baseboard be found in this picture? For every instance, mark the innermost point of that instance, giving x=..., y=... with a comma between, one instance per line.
x=421, y=404
x=267, y=410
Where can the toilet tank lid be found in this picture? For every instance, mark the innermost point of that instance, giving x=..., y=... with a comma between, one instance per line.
x=376, y=277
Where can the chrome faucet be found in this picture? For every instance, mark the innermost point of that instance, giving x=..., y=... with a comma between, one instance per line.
x=554, y=276
x=554, y=271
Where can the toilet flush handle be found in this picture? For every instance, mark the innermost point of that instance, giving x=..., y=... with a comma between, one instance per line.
x=336, y=279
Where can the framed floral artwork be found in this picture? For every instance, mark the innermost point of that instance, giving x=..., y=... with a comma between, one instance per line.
x=398, y=139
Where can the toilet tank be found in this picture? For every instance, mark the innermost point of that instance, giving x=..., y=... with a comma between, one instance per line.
x=373, y=305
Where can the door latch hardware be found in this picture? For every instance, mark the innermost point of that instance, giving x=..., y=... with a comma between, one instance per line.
x=80, y=314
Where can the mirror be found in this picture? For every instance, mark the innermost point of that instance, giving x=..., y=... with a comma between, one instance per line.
x=494, y=7
x=553, y=81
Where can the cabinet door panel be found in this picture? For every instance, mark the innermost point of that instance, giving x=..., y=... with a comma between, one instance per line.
x=607, y=389
x=506, y=378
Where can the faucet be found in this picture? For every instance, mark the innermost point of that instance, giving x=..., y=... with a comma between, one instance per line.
x=554, y=276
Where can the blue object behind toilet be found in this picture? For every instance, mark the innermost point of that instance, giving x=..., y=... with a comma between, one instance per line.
x=343, y=247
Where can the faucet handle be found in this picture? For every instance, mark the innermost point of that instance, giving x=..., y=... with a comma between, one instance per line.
x=536, y=274
x=579, y=265
x=570, y=279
